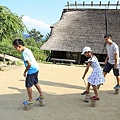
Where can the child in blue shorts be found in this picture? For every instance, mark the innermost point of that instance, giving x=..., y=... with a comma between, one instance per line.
x=31, y=69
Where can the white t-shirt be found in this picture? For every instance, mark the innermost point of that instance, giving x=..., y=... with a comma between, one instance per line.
x=112, y=50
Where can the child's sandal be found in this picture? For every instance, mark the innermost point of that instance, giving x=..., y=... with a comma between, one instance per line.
x=28, y=102
x=84, y=93
x=40, y=97
x=95, y=98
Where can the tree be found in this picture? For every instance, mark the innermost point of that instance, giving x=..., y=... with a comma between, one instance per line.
x=11, y=25
x=47, y=36
x=35, y=35
x=30, y=42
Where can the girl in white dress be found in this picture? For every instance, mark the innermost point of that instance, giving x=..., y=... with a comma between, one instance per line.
x=96, y=77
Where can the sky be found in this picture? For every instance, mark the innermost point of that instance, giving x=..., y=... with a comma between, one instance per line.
x=41, y=14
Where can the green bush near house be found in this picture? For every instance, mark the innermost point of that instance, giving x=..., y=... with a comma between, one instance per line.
x=8, y=49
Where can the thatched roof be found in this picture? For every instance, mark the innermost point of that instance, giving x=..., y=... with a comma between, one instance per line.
x=79, y=28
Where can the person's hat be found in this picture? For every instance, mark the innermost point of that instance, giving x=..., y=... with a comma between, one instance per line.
x=86, y=49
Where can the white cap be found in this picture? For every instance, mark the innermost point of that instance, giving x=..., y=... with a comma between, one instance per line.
x=86, y=49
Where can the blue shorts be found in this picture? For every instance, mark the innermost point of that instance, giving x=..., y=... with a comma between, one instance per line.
x=108, y=68
x=31, y=79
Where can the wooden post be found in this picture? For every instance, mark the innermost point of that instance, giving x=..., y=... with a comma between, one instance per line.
x=79, y=58
x=87, y=97
x=108, y=4
x=117, y=91
x=100, y=3
x=93, y=103
x=117, y=4
x=68, y=5
x=42, y=102
x=76, y=4
x=26, y=107
x=54, y=62
x=91, y=3
x=83, y=3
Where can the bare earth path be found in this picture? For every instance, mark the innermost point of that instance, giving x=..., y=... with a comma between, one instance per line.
x=62, y=86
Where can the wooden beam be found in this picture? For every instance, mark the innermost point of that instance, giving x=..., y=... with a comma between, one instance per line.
x=100, y=4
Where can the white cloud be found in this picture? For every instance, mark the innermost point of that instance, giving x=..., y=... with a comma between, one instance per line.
x=37, y=24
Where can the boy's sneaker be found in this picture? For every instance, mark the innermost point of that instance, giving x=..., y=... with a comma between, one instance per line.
x=117, y=87
x=28, y=102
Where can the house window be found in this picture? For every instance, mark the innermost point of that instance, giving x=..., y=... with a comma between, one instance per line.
x=72, y=55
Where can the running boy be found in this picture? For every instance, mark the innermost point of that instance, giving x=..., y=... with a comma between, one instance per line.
x=31, y=69
x=96, y=77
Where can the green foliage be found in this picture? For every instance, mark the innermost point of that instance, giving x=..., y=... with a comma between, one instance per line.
x=35, y=42
x=5, y=47
x=19, y=63
x=39, y=54
x=47, y=36
x=11, y=26
x=30, y=42
x=39, y=44
x=16, y=54
x=36, y=35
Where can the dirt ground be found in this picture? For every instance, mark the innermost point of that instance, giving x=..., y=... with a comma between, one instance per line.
x=62, y=86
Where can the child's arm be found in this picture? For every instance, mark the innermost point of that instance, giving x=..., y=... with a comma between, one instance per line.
x=86, y=70
x=27, y=68
x=116, y=61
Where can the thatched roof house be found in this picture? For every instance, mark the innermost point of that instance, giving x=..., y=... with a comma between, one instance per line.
x=78, y=28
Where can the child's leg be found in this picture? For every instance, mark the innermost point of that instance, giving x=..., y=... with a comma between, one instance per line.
x=88, y=87
x=29, y=91
x=95, y=90
x=39, y=89
x=118, y=80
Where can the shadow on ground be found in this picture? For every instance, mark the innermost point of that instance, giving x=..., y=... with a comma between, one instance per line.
x=59, y=106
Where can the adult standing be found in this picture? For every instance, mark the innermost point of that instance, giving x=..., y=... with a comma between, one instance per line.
x=112, y=59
